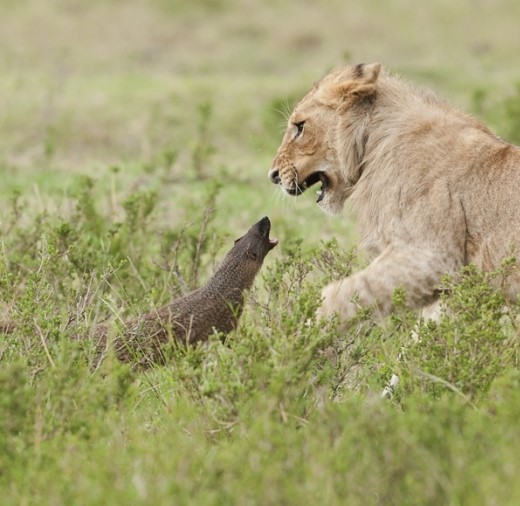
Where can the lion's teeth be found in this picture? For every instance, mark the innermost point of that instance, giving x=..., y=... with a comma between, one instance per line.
x=320, y=194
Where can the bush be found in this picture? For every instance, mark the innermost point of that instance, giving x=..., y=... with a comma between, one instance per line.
x=285, y=410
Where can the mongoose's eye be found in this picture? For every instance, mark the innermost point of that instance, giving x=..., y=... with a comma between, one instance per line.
x=252, y=254
x=299, y=128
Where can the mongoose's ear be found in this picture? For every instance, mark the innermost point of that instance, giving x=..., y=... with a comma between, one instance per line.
x=361, y=82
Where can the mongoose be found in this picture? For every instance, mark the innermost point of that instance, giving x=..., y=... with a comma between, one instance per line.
x=194, y=317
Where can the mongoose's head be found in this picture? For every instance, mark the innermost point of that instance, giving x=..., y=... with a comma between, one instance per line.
x=253, y=247
x=243, y=261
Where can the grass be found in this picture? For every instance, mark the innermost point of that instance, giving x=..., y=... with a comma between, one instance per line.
x=135, y=140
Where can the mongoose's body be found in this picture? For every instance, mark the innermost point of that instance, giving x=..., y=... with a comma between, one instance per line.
x=214, y=307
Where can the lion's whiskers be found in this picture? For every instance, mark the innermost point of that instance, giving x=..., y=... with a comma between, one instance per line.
x=286, y=109
x=287, y=202
x=299, y=188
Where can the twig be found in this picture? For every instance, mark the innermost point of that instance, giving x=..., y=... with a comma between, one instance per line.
x=44, y=343
x=447, y=384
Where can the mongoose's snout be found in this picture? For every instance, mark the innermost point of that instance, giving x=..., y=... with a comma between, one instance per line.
x=264, y=228
x=256, y=243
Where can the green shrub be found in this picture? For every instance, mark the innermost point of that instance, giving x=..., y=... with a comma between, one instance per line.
x=285, y=411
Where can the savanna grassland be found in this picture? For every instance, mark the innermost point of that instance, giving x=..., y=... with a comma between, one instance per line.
x=135, y=140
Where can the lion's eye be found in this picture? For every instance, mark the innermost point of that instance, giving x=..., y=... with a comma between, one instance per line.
x=299, y=128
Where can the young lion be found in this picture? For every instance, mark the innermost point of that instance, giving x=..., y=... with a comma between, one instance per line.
x=433, y=189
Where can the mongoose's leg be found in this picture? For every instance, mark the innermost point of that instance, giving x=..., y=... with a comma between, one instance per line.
x=415, y=269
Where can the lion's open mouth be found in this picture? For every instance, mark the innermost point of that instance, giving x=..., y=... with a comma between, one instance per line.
x=314, y=178
x=325, y=183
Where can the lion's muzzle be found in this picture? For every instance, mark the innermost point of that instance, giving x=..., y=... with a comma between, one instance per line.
x=274, y=176
x=292, y=186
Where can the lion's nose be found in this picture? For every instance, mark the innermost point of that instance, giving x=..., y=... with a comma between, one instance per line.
x=274, y=175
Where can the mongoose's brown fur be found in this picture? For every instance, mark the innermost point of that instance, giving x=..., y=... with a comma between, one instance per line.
x=214, y=307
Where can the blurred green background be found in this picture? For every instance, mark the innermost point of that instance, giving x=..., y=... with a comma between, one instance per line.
x=168, y=94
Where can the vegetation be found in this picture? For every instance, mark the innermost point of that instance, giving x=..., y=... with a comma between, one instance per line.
x=135, y=141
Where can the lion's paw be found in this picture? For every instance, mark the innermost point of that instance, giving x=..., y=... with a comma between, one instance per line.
x=329, y=300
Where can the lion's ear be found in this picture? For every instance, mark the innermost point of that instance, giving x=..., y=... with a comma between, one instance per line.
x=367, y=72
x=361, y=83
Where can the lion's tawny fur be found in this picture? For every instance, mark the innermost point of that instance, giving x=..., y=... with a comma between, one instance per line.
x=432, y=188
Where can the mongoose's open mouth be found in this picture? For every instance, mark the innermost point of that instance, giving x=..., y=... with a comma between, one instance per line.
x=314, y=178
x=264, y=226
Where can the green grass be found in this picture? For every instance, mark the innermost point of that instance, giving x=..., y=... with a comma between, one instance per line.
x=134, y=135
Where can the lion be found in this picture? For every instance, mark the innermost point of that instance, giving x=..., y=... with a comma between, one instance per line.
x=432, y=188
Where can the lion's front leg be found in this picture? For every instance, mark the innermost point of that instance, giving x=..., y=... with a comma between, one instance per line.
x=417, y=270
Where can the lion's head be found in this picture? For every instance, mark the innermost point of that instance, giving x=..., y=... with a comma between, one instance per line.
x=325, y=136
